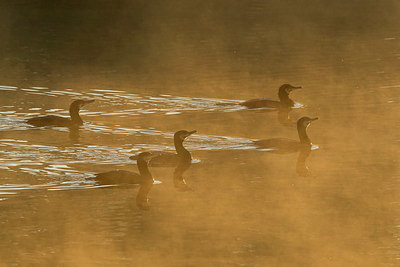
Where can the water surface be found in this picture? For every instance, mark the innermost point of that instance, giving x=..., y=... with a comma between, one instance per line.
x=154, y=69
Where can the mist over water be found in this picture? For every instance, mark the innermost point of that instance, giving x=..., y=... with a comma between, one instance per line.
x=156, y=67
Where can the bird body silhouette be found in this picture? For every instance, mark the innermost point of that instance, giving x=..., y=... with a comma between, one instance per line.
x=53, y=120
x=170, y=159
x=289, y=145
x=144, y=179
x=284, y=100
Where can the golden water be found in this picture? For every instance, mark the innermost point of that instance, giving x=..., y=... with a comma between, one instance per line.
x=155, y=69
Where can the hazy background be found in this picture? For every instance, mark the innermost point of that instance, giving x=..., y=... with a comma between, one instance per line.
x=214, y=44
x=155, y=67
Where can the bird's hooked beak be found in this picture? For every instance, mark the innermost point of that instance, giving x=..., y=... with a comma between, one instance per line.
x=311, y=120
x=295, y=88
x=85, y=102
x=191, y=132
x=187, y=134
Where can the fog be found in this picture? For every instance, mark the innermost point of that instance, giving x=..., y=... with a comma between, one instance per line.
x=156, y=67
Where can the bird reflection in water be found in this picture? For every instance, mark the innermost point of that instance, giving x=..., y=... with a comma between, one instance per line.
x=301, y=167
x=74, y=133
x=285, y=145
x=181, y=160
x=282, y=114
x=144, y=179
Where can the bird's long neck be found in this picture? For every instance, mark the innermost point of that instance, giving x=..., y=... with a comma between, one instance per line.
x=182, y=152
x=302, y=130
x=144, y=169
x=284, y=99
x=74, y=113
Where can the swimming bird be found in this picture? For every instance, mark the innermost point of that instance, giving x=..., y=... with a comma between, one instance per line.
x=170, y=159
x=144, y=179
x=290, y=145
x=284, y=100
x=127, y=177
x=52, y=120
x=185, y=160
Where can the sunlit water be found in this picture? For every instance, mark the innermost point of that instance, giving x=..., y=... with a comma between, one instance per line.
x=336, y=205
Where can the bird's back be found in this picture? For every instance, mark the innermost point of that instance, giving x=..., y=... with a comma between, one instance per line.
x=49, y=120
x=261, y=103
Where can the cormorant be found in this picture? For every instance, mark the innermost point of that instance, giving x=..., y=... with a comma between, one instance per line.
x=290, y=145
x=185, y=160
x=52, y=120
x=284, y=100
x=144, y=179
x=169, y=159
x=182, y=159
x=127, y=177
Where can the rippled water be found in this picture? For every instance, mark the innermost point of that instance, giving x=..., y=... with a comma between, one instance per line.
x=25, y=155
x=188, y=66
